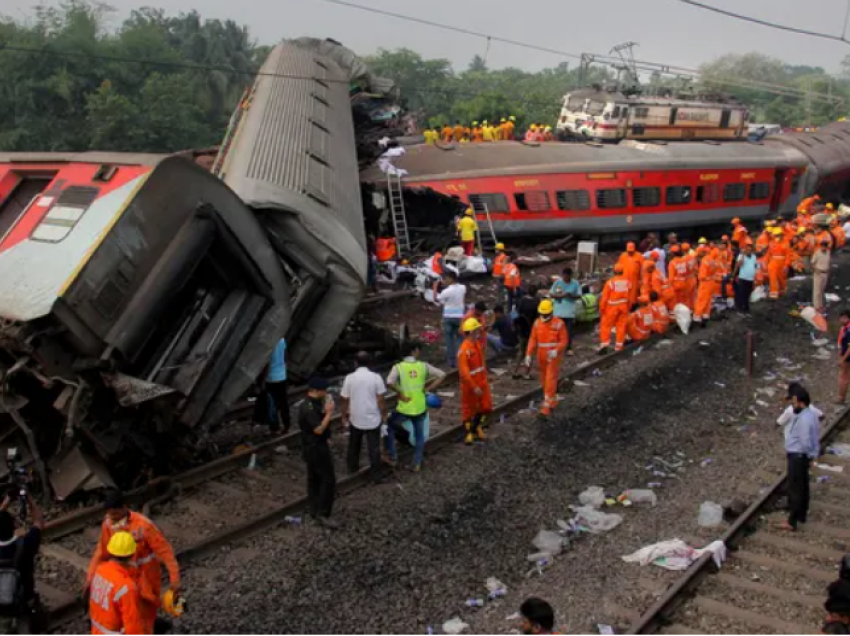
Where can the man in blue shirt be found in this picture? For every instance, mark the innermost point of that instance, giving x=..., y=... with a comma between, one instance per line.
x=565, y=292
x=744, y=276
x=802, y=446
x=277, y=389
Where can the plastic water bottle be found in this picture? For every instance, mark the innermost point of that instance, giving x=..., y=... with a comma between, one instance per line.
x=475, y=602
x=496, y=594
x=252, y=463
x=295, y=521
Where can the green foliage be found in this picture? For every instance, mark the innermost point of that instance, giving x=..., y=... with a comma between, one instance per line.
x=90, y=89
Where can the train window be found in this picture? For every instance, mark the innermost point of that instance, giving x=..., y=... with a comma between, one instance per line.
x=613, y=198
x=495, y=202
x=734, y=191
x=65, y=214
x=573, y=200
x=795, y=183
x=708, y=193
x=535, y=201
x=646, y=197
x=641, y=113
x=616, y=113
x=759, y=191
x=678, y=195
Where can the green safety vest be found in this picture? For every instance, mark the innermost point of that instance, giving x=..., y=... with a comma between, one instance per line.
x=588, y=309
x=412, y=378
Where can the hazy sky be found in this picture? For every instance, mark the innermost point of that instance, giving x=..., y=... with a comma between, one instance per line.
x=668, y=31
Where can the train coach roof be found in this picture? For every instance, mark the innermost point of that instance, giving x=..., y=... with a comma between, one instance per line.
x=120, y=158
x=828, y=148
x=428, y=163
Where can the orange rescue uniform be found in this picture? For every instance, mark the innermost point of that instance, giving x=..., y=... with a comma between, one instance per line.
x=483, y=331
x=152, y=549
x=691, y=293
x=631, y=270
x=614, y=310
x=678, y=276
x=640, y=323
x=738, y=234
x=662, y=287
x=647, y=270
x=707, y=287
x=548, y=337
x=472, y=371
x=660, y=317
x=777, y=258
x=499, y=265
x=114, y=601
x=838, y=234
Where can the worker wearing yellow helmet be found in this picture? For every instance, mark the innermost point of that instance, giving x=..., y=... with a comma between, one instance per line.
x=829, y=206
x=510, y=128
x=489, y=132
x=467, y=228
x=547, y=134
x=114, y=598
x=499, y=272
x=549, y=339
x=503, y=130
x=475, y=398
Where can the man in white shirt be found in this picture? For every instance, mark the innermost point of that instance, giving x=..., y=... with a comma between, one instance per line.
x=363, y=410
x=453, y=300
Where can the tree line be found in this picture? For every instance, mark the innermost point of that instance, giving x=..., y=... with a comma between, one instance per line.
x=162, y=83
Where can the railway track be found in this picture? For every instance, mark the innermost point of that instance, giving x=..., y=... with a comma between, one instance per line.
x=773, y=581
x=242, y=495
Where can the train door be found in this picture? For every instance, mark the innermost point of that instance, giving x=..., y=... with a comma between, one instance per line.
x=724, y=118
x=778, y=190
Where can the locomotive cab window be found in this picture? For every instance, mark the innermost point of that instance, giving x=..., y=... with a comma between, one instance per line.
x=613, y=198
x=759, y=191
x=734, y=191
x=495, y=202
x=535, y=201
x=646, y=197
x=573, y=200
x=641, y=112
x=678, y=195
x=65, y=214
x=616, y=113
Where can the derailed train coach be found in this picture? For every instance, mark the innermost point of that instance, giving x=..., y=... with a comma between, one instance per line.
x=141, y=295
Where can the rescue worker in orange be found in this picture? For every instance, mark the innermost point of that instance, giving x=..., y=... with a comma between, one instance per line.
x=632, y=270
x=738, y=231
x=114, y=598
x=459, y=131
x=512, y=281
x=777, y=258
x=614, y=309
x=437, y=268
x=690, y=258
x=806, y=204
x=707, y=286
x=499, y=272
x=503, y=129
x=662, y=287
x=479, y=312
x=763, y=240
x=510, y=126
x=647, y=270
x=549, y=337
x=477, y=133
x=678, y=271
x=660, y=314
x=476, y=401
x=152, y=549
x=837, y=233
x=448, y=133
x=641, y=320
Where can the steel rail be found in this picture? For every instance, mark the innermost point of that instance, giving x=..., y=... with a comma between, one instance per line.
x=658, y=615
x=251, y=528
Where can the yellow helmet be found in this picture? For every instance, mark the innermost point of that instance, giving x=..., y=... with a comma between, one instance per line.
x=171, y=605
x=777, y=231
x=122, y=544
x=829, y=206
x=548, y=129
x=703, y=241
x=470, y=324
x=769, y=223
x=500, y=246
x=533, y=127
x=469, y=212
x=485, y=122
x=801, y=230
x=512, y=118
x=545, y=307
x=503, y=120
x=475, y=123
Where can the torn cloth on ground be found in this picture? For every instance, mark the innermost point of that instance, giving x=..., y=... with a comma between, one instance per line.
x=676, y=554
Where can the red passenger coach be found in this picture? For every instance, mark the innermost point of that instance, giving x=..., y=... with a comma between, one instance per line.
x=556, y=188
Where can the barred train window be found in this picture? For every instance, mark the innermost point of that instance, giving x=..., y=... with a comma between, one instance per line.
x=646, y=197
x=495, y=202
x=613, y=198
x=534, y=201
x=573, y=200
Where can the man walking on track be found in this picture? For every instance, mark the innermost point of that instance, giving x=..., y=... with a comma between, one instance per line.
x=614, y=309
x=802, y=446
x=476, y=401
x=151, y=549
x=363, y=408
x=549, y=337
x=115, y=604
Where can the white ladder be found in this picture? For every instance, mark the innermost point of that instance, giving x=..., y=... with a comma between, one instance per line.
x=398, y=214
x=487, y=239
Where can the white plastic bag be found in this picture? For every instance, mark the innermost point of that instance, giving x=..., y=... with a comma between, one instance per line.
x=710, y=514
x=640, y=496
x=549, y=542
x=474, y=264
x=758, y=294
x=596, y=521
x=683, y=317
x=593, y=496
x=454, y=626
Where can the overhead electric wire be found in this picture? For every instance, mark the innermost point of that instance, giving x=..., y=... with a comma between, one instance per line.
x=766, y=23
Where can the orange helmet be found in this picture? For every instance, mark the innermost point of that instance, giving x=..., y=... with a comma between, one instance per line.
x=630, y=247
x=686, y=247
x=654, y=255
x=618, y=269
x=675, y=249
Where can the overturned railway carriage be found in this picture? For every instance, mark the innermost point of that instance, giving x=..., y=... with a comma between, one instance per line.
x=139, y=297
x=539, y=189
x=293, y=160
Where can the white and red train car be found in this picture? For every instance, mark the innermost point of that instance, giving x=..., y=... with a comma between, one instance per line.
x=593, y=189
